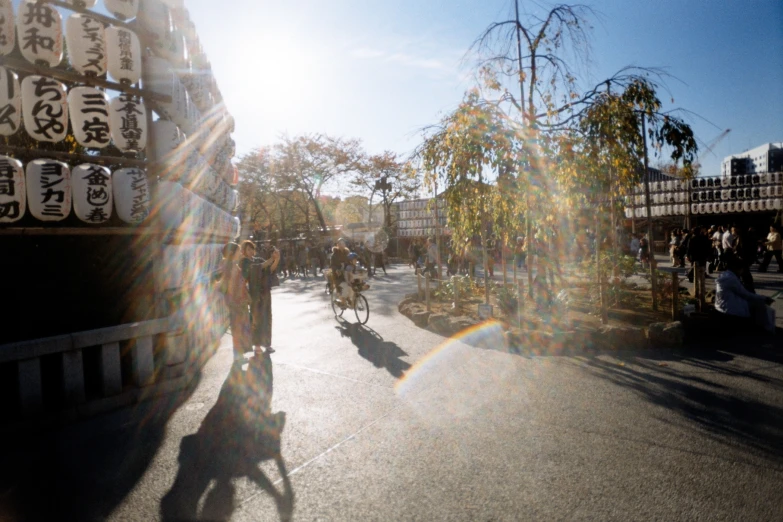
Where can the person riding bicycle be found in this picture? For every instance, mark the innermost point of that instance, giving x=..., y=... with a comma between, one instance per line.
x=338, y=261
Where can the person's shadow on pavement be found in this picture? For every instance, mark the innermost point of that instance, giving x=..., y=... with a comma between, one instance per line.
x=383, y=354
x=237, y=434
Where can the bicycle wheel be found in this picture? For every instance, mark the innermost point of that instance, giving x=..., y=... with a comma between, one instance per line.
x=338, y=311
x=362, y=309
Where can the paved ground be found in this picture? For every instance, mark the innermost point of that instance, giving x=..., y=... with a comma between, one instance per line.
x=472, y=432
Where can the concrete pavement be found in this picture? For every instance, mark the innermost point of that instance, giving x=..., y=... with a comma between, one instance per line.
x=472, y=433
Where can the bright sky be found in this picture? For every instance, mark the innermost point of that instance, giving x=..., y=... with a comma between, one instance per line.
x=380, y=71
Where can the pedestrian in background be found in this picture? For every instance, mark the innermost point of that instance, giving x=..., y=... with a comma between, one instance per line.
x=774, y=246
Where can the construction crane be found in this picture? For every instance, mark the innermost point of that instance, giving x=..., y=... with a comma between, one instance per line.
x=708, y=150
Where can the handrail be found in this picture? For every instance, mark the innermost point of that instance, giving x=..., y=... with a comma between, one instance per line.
x=33, y=348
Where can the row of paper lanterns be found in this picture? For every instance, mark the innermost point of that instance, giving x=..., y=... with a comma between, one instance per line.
x=183, y=264
x=765, y=178
x=755, y=193
x=95, y=50
x=180, y=209
x=762, y=205
x=46, y=106
x=50, y=190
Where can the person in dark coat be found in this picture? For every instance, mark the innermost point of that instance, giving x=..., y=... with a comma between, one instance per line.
x=699, y=248
x=260, y=296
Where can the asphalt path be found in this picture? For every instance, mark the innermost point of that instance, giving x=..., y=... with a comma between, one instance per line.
x=392, y=422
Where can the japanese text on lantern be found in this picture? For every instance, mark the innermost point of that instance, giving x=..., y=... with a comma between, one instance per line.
x=126, y=54
x=40, y=33
x=93, y=33
x=97, y=191
x=55, y=191
x=129, y=128
x=96, y=129
x=12, y=190
x=140, y=207
x=45, y=110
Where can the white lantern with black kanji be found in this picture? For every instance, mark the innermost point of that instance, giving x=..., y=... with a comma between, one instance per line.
x=128, y=122
x=13, y=195
x=10, y=102
x=44, y=108
x=86, y=39
x=92, y=193
x=39, y=30
x=7, y=28
x=122, y=9
x=48, y=189
x=89, y=108
x=131, y=195
x=123, y=52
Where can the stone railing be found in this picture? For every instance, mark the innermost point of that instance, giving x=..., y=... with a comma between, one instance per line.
x=117, y=359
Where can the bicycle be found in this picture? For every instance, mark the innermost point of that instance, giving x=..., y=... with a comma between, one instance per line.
x=344, y=297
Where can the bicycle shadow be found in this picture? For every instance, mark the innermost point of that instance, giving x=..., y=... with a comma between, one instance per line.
x=238, y=433
x=371, y=346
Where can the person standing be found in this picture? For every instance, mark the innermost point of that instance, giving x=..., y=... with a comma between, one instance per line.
x=774, y=246
x=379, y=262
x=728, y=240
x=237, y=295
x=698, y=251
x=257, y=272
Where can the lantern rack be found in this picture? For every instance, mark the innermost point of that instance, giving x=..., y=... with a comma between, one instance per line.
x=101, y=160
x=108, y=20
x=67, y=76
x=169, y=237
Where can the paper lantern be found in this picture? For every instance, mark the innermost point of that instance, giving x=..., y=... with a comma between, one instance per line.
x=122, y=9
x=49, y=189
x=694, y=208
x=175, y=49
x=38, y=27
x=762, y=204
x=763, y=192
x=89, y=109
x=746, y=206
x=123, y=54
x=777, y=204
x=725, y=182
x=754, y=205
x=628, y=213
x=7, y=28
x=128, y=123
x=92, y=193
x=778, y=191
x=158, y=77
x=86, y=39
x=13, y=195
x=155, y=20
x=85, y=4
x=44, y=108
x=165, y=137
x=774, y=177
x=131, y=195
x=10, y=102
x=724, y=207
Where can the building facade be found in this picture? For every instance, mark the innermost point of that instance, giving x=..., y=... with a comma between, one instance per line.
x=760, y=160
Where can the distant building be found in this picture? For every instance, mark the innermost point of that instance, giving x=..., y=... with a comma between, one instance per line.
x=763, y=159
x=416, y=218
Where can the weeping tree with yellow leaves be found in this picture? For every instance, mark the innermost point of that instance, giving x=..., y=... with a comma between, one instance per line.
x=603, y=154
x=473, y=153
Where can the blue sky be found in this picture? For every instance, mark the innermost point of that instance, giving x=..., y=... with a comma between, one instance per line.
x=380, y=71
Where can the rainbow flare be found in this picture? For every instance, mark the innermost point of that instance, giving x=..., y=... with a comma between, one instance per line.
x=488, y=335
